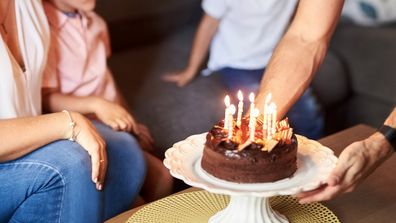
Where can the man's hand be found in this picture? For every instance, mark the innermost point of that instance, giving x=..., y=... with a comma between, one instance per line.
x=355, y=163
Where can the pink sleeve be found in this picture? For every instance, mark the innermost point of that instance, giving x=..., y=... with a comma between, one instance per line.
x=106, y=39
x=50, y=76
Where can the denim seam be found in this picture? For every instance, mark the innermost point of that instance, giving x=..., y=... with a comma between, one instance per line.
x=49, y=167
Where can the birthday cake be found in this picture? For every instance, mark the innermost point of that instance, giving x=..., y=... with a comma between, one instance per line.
x=234, y=154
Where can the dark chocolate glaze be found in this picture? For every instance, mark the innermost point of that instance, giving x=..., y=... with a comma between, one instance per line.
x=222, y=159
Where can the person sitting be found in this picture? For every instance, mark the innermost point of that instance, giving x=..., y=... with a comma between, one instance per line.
x=77, y=78
x=43, y=176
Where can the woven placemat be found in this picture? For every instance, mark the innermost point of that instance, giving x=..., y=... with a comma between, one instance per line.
x=199, y=206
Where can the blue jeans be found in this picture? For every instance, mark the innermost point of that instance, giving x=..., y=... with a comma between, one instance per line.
x=53, y=183
x=305, y=116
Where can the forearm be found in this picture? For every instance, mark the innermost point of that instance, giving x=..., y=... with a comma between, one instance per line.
x=290, y=70
x=299, y=53
x=55, y=102
x=21, y=136
x=206, y=30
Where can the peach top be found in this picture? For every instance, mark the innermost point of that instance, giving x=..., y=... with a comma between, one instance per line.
x=77, y=60
x=20, y=87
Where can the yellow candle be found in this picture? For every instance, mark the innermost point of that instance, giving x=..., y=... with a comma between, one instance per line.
x=240, y=108
x=227, y=104
x=231, y=111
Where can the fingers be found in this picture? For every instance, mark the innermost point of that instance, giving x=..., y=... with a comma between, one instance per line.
x=102, y=170
x=170, y=77
x=324, y=194
x=180, y=79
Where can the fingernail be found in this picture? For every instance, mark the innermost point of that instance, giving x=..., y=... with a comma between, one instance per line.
x=100, y=187
x=95, y=180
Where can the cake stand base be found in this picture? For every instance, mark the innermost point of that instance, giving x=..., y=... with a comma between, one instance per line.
x=248, y=209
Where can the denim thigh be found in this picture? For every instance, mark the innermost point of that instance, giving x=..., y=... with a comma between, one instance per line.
x=51, y=184
x=126, y=170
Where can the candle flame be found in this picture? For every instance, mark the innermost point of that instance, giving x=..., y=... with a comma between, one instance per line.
x=268, y=98
x=272, y=106
x=240, y=95
x=251, y=97
x=232, y=109
x=256, y=112
x=227, y=100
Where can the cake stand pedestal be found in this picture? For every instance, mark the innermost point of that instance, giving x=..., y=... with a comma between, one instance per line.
x=250, y=202
x=248, y=209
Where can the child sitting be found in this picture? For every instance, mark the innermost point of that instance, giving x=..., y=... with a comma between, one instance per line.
x=77, y=78
x=241, y=35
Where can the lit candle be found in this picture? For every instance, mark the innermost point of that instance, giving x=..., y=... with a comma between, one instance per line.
x=251, y=119
x=252, y=126
x=227, y=104
x=251, y=99
x=265, y=115
x=240, y=108
x=274, y=117
x=271, y=128
x=231, y=112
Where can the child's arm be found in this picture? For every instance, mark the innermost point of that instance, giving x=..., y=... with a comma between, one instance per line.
x=141, y=131
x=206, y=30
x=112, y=114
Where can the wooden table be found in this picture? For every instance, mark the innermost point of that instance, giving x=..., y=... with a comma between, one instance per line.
x=373, y=202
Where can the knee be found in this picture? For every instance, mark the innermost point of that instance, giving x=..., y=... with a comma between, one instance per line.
x=124, y=149
x=71, y=160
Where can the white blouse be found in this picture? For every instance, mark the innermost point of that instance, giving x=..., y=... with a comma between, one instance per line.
x=20, y=92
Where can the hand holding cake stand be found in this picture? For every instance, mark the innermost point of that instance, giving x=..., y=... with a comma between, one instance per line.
x=250, y=202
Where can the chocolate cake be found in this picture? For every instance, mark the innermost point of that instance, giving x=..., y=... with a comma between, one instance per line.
x=240, y=160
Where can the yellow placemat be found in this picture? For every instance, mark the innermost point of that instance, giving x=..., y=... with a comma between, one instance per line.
x=199, y=206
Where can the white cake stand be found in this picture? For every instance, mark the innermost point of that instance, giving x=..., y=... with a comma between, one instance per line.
x=249, y=203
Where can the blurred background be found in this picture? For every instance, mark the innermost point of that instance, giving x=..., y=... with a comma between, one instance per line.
x=356, y=84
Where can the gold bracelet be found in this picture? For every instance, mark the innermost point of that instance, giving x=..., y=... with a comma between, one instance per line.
x=72, y=124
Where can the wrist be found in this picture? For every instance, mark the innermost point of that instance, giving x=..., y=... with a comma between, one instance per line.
x=93, y=103
x=69, y=125
x=191, y=70
x=377, y=143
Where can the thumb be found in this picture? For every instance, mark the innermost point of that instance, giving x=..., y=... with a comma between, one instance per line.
x=337, y=175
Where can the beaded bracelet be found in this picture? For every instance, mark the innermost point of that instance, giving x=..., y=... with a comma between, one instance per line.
x=72, y=124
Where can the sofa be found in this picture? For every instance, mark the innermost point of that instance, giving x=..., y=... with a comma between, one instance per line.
x=356, y=84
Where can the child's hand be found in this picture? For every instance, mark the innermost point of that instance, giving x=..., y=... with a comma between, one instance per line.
x=180, y=78
x=114, y=115
x=144, y=137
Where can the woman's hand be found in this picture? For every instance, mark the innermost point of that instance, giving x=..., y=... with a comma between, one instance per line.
x=88, y=137
x=114, y=115
x=181, y=78
x=355, y=163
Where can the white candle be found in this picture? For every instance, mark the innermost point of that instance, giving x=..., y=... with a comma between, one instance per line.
x=274, y=117
x=252, y=126
x=240, y=108
x=251, y=99
x=271, y=120
x=227, y=104
x=265, y=115
x=231, y=112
